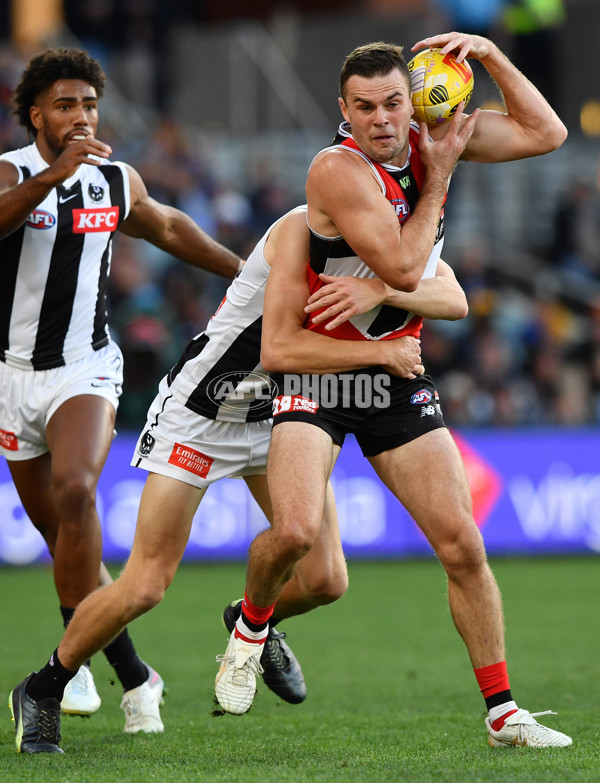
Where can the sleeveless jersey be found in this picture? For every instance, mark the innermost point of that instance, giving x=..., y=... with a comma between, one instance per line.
x=55, y=267
x=219, y=374
x=333, y=255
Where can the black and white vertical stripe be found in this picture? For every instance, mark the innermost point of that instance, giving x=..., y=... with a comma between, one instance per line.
x=219, y=374
x=54, y=279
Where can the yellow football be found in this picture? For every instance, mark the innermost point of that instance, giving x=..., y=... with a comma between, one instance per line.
x=439, y=84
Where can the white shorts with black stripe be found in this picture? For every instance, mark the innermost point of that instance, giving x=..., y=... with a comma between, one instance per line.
x=182, y=444
x=29, y=398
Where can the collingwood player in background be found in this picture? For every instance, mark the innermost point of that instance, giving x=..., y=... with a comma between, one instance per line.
x=61, y=201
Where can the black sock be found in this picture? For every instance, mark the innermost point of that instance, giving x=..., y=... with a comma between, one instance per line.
x=128, y=666
x=51, y=681
x=67, y=615
x=498, y=698
x=253, y=626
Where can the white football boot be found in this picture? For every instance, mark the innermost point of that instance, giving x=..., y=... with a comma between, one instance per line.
x=156, y=682
x=80, y=696
x=235, y=684
x=521, y=728
x=141, y=710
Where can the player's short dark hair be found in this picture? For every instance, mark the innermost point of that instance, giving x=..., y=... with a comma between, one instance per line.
x=373, y=59
x=46, y=68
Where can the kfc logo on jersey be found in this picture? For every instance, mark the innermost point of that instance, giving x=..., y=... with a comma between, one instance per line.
x=39, y=218
x=191, y=460
x=401, y=207
x=420, y=397
x=86, y=221
x=8, y=440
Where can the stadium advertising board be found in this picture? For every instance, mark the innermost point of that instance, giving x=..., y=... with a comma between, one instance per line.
x=533, y=493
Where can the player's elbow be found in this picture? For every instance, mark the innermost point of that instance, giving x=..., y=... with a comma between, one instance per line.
x=460, y=309
x=402, y=280
x=557, y=134
x=273, y=357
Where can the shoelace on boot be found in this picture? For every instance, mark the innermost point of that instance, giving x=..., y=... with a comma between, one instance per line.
x=49, y=723
x=240, y=675
x=276, y=653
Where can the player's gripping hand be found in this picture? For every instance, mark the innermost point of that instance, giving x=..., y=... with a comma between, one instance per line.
x=462, y=45
x=440, y=156
x=402, y=357
x=80, y=148
x=343, y=297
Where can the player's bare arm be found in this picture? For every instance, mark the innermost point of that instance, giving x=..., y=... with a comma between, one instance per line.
x=175, y=232
x=529, y=127
x=345, y=198
x=287, y=346
x=439, y=297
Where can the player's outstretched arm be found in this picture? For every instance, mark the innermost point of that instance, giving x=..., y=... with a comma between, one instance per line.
x=439, y=297
x=174, y=232
x=287, y=346
x=530, y=125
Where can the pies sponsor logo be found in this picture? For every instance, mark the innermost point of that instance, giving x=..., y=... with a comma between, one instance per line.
x=8, y=440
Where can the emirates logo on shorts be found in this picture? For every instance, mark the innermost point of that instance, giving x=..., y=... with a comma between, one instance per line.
x=190, y=459
x=8, y=440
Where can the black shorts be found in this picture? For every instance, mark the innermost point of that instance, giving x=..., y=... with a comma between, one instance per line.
x=381, y=410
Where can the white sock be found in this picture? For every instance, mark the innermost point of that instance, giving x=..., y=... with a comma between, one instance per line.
x=257, y=637
x=502, y=709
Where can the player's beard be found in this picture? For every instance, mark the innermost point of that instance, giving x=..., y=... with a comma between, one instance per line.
x=55, y=144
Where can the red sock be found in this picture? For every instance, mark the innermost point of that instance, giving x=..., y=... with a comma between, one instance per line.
x=492, y=679
x=254, y=619
x=494, y=685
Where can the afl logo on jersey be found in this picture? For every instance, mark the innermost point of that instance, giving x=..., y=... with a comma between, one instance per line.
x=39, y=218
x=401, y=207
x=420, y=397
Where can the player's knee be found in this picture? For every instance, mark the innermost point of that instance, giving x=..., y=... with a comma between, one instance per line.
x=462, y=553
x=295, y=541
x=328, y=588
x=75, y=497
x=146, y=595
x=324, y=582
x=144, y=584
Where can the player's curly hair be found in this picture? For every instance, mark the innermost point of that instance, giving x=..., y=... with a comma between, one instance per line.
x=46, y=68
x=373, y=59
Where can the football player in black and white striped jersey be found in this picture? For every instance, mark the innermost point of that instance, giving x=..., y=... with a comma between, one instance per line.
x=211, y=419
x=61, y=200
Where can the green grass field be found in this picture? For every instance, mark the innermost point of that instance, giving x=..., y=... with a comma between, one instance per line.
x=391, y=693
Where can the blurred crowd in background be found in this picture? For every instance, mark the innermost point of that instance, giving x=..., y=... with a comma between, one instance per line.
x=526, y=355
